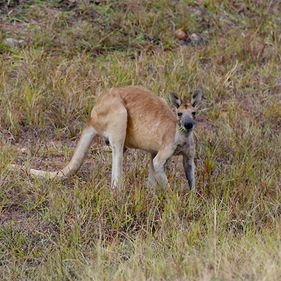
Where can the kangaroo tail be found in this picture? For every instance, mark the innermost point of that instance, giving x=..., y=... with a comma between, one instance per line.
x=76, y=161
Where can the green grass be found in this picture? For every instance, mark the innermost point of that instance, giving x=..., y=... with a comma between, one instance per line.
x=80, y=229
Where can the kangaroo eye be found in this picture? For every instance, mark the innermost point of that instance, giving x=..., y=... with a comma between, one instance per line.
x=179, y=114
x=193, y=113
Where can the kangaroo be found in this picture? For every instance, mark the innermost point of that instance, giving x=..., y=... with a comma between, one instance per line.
x=132, y=117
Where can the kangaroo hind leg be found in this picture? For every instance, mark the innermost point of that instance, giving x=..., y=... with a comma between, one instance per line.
x=152, y=181
x=158, y=164
x=116, y=132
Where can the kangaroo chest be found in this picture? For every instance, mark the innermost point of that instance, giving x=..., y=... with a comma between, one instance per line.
x=185, y=145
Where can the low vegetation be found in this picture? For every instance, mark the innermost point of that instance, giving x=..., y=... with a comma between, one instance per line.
x=80, y=229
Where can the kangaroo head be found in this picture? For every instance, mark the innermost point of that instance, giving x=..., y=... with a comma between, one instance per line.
x=186, y=110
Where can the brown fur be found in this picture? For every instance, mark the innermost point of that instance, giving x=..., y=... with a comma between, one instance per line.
x=142, y=107
x=135, y=118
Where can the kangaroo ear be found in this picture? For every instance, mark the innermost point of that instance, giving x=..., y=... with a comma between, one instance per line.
x=196, y=97
x=175, y=100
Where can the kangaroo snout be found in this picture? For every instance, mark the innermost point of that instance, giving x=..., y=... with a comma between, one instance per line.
x=188, y=123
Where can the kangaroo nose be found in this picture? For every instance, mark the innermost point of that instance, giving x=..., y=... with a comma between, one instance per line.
x=188, y=125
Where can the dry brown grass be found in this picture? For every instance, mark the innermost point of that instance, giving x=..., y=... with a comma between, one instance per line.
x=80, y=229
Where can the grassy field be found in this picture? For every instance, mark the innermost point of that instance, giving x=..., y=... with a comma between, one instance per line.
x=80, y=229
